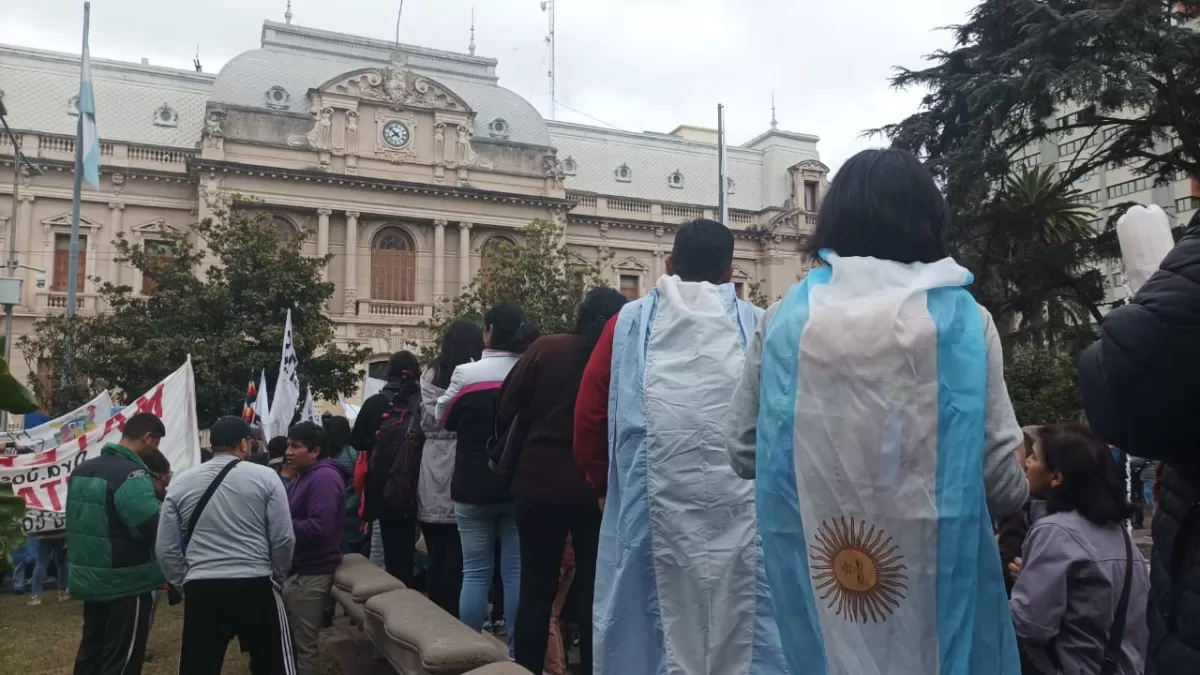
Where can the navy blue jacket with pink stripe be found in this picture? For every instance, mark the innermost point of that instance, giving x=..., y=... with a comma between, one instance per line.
x=468, y=408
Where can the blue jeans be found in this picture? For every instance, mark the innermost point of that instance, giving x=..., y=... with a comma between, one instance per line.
x=479, y=526
x=48, y=549
x=1148, y=495
x=21, y=559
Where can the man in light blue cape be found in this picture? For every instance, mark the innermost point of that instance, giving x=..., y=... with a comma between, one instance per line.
x=680, y=584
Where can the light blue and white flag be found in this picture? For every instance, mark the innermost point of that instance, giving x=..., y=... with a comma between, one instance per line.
x=89, y=139
x=877, y=543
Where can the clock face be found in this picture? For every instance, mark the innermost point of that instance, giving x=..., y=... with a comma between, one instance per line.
x=396, y=134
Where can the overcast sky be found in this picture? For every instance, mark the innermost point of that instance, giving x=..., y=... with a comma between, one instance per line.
x=634, y=64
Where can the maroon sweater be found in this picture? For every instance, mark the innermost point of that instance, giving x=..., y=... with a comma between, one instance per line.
x=541, y=388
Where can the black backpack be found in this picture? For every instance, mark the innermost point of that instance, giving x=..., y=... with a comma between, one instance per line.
x=395, y=462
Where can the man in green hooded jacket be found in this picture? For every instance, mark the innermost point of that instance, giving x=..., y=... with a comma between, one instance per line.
x=112, y=522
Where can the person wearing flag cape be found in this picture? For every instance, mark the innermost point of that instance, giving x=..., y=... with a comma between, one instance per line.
x=680, y=587
x=873, y=413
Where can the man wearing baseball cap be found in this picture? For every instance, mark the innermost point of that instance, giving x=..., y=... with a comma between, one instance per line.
x=225, y=537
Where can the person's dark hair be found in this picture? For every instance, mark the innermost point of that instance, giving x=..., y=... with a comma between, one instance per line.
x=510, y=330
x=883, y=204
x=462, y=343
x=400, y=366
x=310, y=435
x=703, y=251
x=598, y=306
x=1091, y=483
x=277, y=447
x=141, y=424
x=157, y=463
x=337, y=433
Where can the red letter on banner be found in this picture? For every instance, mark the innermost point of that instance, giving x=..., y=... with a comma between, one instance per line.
x=51, y=488
x=30, y=497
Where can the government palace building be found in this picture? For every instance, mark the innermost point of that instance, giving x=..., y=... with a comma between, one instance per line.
x=405, y=164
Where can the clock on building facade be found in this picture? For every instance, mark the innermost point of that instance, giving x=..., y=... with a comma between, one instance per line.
x=396, y=134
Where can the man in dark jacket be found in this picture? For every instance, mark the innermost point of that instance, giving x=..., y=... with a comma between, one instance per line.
x=1138, y=388
x=316, y=500
x=112, y=523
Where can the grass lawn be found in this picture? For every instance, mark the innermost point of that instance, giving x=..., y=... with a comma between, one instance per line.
x=43, y=640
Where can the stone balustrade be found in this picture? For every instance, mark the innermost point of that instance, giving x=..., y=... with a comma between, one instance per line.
x=417, y=310
x=117, y=155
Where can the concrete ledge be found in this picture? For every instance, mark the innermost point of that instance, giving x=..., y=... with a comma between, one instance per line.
x=364, y=581
x=418, y=638
x=353, y=609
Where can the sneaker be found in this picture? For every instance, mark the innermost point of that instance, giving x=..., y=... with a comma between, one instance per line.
x=64, y=596
x=34, y=600
x=487, y=625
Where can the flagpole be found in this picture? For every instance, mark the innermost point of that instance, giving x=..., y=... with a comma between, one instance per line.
x=68, y=374
x=722, y=185
x=73, y=260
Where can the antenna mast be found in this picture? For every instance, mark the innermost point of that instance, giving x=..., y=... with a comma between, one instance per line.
x=398, y=13
x=471, y=47
x=548, y=6
x=287, y=16
x=774, y=122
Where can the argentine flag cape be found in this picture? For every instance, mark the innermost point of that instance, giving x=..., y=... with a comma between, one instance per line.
x=878, y=546
x=680, y=586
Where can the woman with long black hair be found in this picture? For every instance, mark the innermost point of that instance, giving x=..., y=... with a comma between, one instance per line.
x=461, y=344
x=483, y=506
x=552, y=494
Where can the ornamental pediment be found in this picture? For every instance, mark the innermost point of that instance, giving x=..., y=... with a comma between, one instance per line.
x=156, y=226
x=811, y=165
x=397, y=87
x=630, y=264
x=64, y=220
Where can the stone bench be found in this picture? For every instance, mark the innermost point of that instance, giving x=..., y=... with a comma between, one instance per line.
x=418, y=638
x=358, y=580
x=505, y=668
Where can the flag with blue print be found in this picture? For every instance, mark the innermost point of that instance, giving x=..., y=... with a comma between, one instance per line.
x=89, y=139
x=871, y=503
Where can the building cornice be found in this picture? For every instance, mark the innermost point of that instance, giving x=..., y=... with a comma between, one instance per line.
x=648, y=225
x=195, y=166
x=102, y=66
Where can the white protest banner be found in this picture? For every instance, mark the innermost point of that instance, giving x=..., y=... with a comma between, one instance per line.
x=349, y=409
x=287, y=386
x=262, y=409
x=372, y=386
x=309, y=412
x=59, y=430
x=41, y=478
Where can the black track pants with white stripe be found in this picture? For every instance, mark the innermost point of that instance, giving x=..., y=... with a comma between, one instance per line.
x=114, y=636
x=217, y=610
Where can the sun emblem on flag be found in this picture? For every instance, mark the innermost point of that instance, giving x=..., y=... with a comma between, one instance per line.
x=859, y=569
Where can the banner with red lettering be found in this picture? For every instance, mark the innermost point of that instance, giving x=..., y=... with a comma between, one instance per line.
x=59, y=430
x=41, y=478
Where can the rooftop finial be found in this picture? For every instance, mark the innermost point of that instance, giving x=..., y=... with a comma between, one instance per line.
x=287, y=16
x=774, y=122
x=471, y=47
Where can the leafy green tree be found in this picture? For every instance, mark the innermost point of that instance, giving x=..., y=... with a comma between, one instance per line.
x=1043, y=386
x=1129, y=70
x=14, y=398
x=541, y=273
x=229, y=317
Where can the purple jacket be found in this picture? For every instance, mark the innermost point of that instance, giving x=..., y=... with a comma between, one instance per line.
x=317, y=500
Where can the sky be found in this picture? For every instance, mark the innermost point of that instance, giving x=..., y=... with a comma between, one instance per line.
x=640, y=65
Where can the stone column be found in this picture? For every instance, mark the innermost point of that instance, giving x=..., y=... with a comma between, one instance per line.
x=351, y=290
x=439, y=260
x=116, y=214
x=323, y=239
x=464, y=256
x=25, y=238
x=659, y=268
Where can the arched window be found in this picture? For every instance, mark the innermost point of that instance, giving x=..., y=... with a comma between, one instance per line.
x=285, y=230
x=393, y=266
x=493, y=251
x=377, y=369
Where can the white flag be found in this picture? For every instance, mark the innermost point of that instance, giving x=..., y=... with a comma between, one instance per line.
x=350, y=410
x=308, y=414
x=372, y=386
x=262, y=409
x=287, y=385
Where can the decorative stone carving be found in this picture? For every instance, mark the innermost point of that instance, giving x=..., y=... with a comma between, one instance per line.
x=321, y=133
x=396, y=86
x=464, y=155
x=116, y=206
x=374, y=332
x=118, y=183
x=552, y=169
x=439, y=142
x=352, y=165
x=212, y=191
x=213, y=132
x=165, y=116
x=278, y=98
x=439, y=174
x=352, y=131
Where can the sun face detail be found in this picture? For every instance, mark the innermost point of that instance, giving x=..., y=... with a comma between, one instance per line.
x=859, y=570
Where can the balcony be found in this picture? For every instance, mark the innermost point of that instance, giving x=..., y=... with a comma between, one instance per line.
x=55, y=302
x=394, y=308
x=113, y=155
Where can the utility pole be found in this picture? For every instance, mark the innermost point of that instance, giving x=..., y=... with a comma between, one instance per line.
x=548, y=6
x=722, y=183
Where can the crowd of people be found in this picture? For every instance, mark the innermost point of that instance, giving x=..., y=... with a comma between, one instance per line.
x=838, y=484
